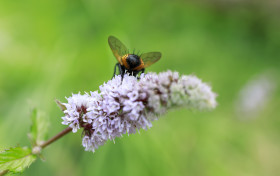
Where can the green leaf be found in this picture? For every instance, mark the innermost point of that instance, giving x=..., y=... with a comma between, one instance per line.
x=60, y=105
x=39, y=128
x=16, y=159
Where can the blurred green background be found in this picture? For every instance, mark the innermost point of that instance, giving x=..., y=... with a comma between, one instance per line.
x=50, y=49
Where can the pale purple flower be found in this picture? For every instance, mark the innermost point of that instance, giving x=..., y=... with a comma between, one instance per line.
x=128, y=105
x=255, y=95
x=76, y=110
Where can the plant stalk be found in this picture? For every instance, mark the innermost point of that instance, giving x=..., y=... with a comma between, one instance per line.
x=56, y=137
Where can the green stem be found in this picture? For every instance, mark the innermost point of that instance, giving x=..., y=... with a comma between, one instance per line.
x=56, y=137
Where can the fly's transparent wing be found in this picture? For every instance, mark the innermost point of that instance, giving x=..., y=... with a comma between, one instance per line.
x=117, y=48
x=150, y=58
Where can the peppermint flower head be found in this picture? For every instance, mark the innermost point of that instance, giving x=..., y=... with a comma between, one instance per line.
x=128, y=105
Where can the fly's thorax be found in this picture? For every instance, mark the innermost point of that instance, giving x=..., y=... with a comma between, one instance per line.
x=132, y=62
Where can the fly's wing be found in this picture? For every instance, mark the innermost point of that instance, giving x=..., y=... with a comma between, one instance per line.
x=150, y=58
x=117, y=48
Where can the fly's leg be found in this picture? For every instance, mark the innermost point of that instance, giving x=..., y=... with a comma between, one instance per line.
x=122, y=71
x=115, y=70
x=142, y=71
